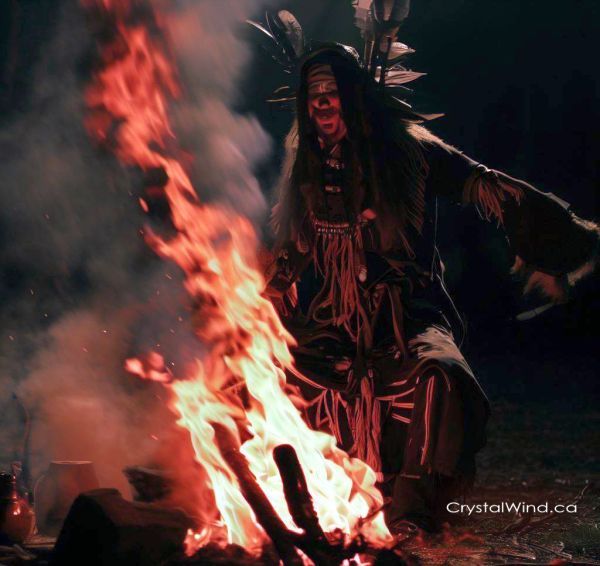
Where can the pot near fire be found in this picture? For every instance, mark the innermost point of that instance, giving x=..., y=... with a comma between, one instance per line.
x=16, y=517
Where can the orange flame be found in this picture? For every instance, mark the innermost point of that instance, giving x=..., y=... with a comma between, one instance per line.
x=248, y=348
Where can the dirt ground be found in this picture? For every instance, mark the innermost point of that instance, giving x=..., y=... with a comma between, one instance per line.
x=536, y=453
x=543, y=446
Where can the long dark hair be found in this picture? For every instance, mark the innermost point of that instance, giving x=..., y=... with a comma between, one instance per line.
x=385, y=165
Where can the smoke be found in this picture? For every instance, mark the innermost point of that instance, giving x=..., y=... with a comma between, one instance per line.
x=74, y=272
x=226, y=146
x=80, y=291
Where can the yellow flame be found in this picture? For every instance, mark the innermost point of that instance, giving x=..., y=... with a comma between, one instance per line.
x=248, y=346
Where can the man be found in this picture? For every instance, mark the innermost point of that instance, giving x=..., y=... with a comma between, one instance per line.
x=358, y=280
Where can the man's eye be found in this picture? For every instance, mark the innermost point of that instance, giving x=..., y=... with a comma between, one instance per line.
x=317, y=95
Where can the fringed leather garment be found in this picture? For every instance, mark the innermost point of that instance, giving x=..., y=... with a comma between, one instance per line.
x=379, y=366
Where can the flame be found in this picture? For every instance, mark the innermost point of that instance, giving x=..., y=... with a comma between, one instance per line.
x=248, y=348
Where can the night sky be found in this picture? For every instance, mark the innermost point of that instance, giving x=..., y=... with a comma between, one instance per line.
x=518, y=81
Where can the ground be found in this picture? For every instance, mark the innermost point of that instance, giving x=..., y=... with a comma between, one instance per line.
x=543, y=440
x=542, y=452
x=537, y=452
x=543, y=446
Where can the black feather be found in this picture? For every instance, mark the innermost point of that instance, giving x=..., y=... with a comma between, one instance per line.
x=270, y=45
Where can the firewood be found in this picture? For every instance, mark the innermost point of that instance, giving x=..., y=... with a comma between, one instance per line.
x=103, y=529
x=297, y=496
x=265, y=514
x=313, y=542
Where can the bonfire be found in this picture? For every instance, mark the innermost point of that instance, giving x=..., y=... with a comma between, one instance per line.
x=273, y=478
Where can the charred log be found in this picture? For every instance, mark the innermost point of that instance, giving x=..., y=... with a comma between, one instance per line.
x=103, y=529
x=265, y=514
x=313, y=542
x=297, y=496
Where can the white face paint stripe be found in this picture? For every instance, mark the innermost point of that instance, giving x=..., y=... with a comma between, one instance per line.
x=321, y=79
x=322, y=87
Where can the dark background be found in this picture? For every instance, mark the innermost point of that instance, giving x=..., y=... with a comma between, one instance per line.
x=519, y=82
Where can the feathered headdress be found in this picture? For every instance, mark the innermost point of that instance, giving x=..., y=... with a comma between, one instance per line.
x=379, y=21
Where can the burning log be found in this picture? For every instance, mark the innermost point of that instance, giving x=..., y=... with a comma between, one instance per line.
x=265, y=514
x=313, y=542
x=296, y=493
x=299, y=501
x=243, y=339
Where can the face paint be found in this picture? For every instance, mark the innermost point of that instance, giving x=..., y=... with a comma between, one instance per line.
x=324, y=105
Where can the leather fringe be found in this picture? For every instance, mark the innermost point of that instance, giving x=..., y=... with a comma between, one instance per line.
x=489, y=192
x=337, y=256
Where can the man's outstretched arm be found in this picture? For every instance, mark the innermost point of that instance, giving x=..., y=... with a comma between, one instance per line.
x=554, y=248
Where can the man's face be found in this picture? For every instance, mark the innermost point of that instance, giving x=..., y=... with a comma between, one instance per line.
x=324, y=106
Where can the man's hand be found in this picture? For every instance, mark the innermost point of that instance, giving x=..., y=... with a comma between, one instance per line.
x=555, y=288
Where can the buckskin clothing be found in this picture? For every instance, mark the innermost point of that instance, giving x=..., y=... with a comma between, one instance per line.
x=379, y=366
x=358, y=280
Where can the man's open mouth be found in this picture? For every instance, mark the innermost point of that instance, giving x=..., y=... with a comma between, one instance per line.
x=325, y=113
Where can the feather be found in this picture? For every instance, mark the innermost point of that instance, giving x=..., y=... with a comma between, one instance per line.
x=400, y=11
x=261, y=29
x=395, y=102
x=379, y=21
x=398, y=90
x=362, y=16
x=285, y=99
x=283, y=94
x=279, y=57
x=269, y=43
x=293, y=30
x=396, y=77
x=363, y=20
x=287, y=33
x=398, y=51
x=393, y=12
x=429, y=117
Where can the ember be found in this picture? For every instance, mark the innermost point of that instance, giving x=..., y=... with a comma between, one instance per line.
x=248, y=348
